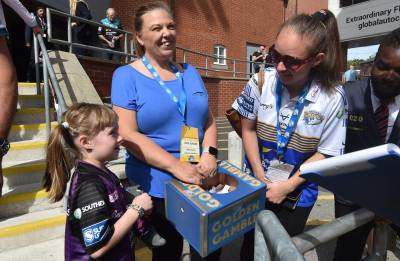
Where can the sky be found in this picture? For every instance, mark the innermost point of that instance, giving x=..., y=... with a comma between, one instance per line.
x=362, y=52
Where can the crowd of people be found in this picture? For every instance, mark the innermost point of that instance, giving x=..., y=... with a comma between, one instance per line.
x=306, y=122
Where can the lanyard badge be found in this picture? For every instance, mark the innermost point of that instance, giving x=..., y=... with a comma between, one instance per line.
x=278, y=170
x=189, y=143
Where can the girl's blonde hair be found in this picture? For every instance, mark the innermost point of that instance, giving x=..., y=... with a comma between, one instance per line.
x=322, y=30
x=62, y=153
x=72, y=6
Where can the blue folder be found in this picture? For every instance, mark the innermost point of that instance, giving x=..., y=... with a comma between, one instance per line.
x=369, y=178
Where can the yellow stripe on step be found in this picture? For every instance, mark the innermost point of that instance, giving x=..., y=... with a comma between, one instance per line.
x=24, y=169
x=28, y=145
x=326, y=197
x=33, y=111
x=32, y=226
x=29, y=196
x=28, y=84
x=318, y=222
x=37, y=126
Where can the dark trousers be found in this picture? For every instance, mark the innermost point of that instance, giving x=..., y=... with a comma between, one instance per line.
x=172, y=250
x=294, y=221
x=350, y=246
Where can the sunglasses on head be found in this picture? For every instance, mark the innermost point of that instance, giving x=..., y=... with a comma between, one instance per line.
x=290, y=62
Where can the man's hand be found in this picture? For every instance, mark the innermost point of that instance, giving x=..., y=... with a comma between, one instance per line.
x=277, y=191
x=207, y=165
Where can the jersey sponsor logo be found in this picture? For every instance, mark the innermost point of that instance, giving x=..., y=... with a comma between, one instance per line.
x=92, y=206
x=246, y=102
x=266, y=106
x=313, y=117
x=113, y=196
x=78, y=213
x=94, y=233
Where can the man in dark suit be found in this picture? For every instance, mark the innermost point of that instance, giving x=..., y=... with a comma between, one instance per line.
x=373, y=120
x=41, y=21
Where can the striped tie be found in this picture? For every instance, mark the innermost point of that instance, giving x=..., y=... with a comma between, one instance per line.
x=382, y=117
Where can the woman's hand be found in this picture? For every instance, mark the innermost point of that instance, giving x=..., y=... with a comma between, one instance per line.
x=186, y=172
x=74, y=24
x=277, y=191
x=207, y=165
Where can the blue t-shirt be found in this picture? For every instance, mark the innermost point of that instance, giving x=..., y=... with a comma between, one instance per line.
x=158, y=117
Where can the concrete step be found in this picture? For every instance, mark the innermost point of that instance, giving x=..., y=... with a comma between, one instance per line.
x=222, y=143
x=222, y=135
x=25, y=199
x=34, y=131
x=32, y=115
x=28, y=88
x=26, y=150
x=222, y=154
x=30, y=101
x=30, y=228
x=23, y=174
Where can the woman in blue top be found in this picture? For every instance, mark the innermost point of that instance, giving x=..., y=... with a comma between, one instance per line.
x=154, y=98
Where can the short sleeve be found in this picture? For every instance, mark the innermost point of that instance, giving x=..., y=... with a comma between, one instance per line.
x=123, y=88
x=248, y=102
x=333, y=136
x=92, y=215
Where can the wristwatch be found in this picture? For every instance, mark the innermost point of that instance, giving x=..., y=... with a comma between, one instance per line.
x=211, y=150
x=4, y=147
x=138, y=208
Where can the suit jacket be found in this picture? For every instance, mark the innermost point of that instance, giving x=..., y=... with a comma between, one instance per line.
x=362, y=131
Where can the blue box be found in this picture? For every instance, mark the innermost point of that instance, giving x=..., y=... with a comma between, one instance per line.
x=209, y=221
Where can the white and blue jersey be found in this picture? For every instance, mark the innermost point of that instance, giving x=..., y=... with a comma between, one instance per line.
x=321, y=126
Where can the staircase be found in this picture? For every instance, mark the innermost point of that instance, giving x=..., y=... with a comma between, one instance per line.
x=26, y=216
x=223, y=128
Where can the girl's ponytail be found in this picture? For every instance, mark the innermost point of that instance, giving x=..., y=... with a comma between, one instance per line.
x=61, y=154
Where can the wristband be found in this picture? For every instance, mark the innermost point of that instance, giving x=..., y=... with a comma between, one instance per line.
x=138, y=208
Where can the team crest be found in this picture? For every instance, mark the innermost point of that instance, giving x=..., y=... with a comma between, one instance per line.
x=313, y=117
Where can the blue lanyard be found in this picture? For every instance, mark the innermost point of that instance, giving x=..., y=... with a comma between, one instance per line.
x=181, y=102
x=283, y=140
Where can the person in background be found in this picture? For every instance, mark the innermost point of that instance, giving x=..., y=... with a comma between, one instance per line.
x=303, y=122
x=41, y=21
x=81, y=32
x=8, y=79
x=152, y=120
x=350, y=75
x=258, y=57
x=376, y=100
x=110, y=38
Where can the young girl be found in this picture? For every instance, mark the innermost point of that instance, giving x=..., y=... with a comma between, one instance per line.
x=99, y=216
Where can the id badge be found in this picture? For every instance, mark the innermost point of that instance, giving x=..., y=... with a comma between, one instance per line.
x=278, y=171
x=190, y=144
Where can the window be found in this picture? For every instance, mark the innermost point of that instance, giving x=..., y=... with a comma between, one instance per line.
x=344, y=3
x=220, y=55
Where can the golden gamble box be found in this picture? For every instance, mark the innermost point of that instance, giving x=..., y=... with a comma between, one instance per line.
x=208, y=220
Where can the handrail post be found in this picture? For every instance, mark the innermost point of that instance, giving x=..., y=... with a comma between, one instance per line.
x=37, y=65
x=69, y=34
x=184, y=56
x=132, y=49
x=49, y=24
x=46, y=98
x=206, y=66
x=126, y=47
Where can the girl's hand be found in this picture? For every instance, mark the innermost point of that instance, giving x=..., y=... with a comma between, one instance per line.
x=277, y=191
x=207, y=166
x=143, y=200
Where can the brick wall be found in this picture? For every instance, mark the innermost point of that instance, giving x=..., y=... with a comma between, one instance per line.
x=100, y=73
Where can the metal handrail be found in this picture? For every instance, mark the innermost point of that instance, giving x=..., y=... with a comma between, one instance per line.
x=273, y=243
x=48, y=71
x=130, y=55
x=70, y=44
